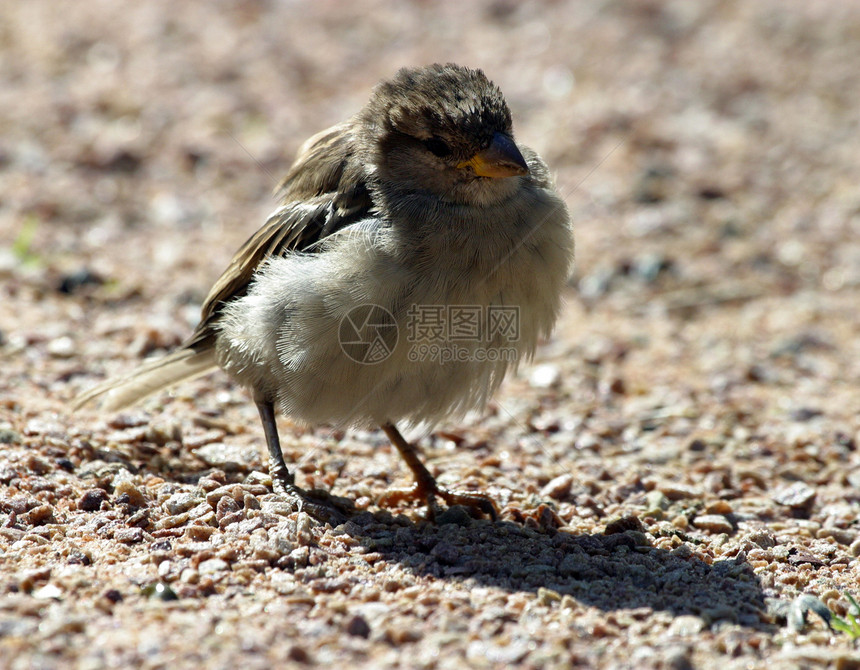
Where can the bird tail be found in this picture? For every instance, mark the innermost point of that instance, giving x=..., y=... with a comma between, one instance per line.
x=118, y=394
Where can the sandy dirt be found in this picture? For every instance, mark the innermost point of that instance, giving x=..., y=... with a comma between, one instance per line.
x=676, y=469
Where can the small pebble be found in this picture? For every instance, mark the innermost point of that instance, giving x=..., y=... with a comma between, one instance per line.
x=162, y=433
x=804, y=414
x=678, y=658
x=48, y=592
x=568, y=602
x=545, y=376
x=719, y=507
x=259, y=478
x=623, y=525
x=9, y=436
x=160, y=591
x=189, y=576
x=229, y=458
x=713, y=523
x=304, y=529
x=129, y=535
x=181, y=502
x=92, y=500
x=358, y=627
x=38, y=515
x=656, y=500
x=277, y=507
x=558, y=487
x=62, y=347
x=763, y=538
x=113, y=596
x=686, y=624
x=796, y=496
x=125, y=483
x=173, y=521
x=299, y=654
x=233, y=491
x=226, y=507
x=71, y=282
x=212, y=566
x=678, y=491
x=548, y=596
x=300, y=556
x=841, y=535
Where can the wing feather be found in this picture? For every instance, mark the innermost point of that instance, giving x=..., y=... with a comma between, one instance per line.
x=324, y=191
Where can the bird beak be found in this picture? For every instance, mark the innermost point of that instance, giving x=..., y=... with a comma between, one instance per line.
x=500, y=159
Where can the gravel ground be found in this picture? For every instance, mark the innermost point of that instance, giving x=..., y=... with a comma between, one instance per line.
x=677, y=467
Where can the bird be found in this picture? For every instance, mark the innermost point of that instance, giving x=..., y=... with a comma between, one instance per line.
x=417, y=255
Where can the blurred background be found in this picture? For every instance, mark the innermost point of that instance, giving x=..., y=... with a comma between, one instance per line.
x=720, y=136
x=708, y=153
x=702, y=383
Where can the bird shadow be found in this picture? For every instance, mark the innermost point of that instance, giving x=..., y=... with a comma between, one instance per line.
x=609, y=572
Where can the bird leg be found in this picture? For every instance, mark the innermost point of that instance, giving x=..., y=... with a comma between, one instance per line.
x=425, y=487
x=318, y=504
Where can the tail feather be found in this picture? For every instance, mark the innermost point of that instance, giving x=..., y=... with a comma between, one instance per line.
x=118, y=394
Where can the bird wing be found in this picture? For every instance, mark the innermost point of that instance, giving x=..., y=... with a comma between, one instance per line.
x=324, y=191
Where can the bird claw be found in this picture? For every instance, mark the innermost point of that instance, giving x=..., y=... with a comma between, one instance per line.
x=318, y=504
x=474, y=502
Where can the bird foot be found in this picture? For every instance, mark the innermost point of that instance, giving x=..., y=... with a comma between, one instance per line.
x=317, y=503
x=476, y=503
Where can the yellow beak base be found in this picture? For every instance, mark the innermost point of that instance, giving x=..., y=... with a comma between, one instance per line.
x=501, y=159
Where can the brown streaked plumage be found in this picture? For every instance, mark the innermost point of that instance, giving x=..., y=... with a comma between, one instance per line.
x=422, y=198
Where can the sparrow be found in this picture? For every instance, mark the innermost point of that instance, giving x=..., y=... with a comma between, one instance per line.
x=417, y=255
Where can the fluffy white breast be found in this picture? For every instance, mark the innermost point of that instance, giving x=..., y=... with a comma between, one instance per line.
x=290, y=339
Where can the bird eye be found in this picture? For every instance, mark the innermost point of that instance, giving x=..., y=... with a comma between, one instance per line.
x=437, y=147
